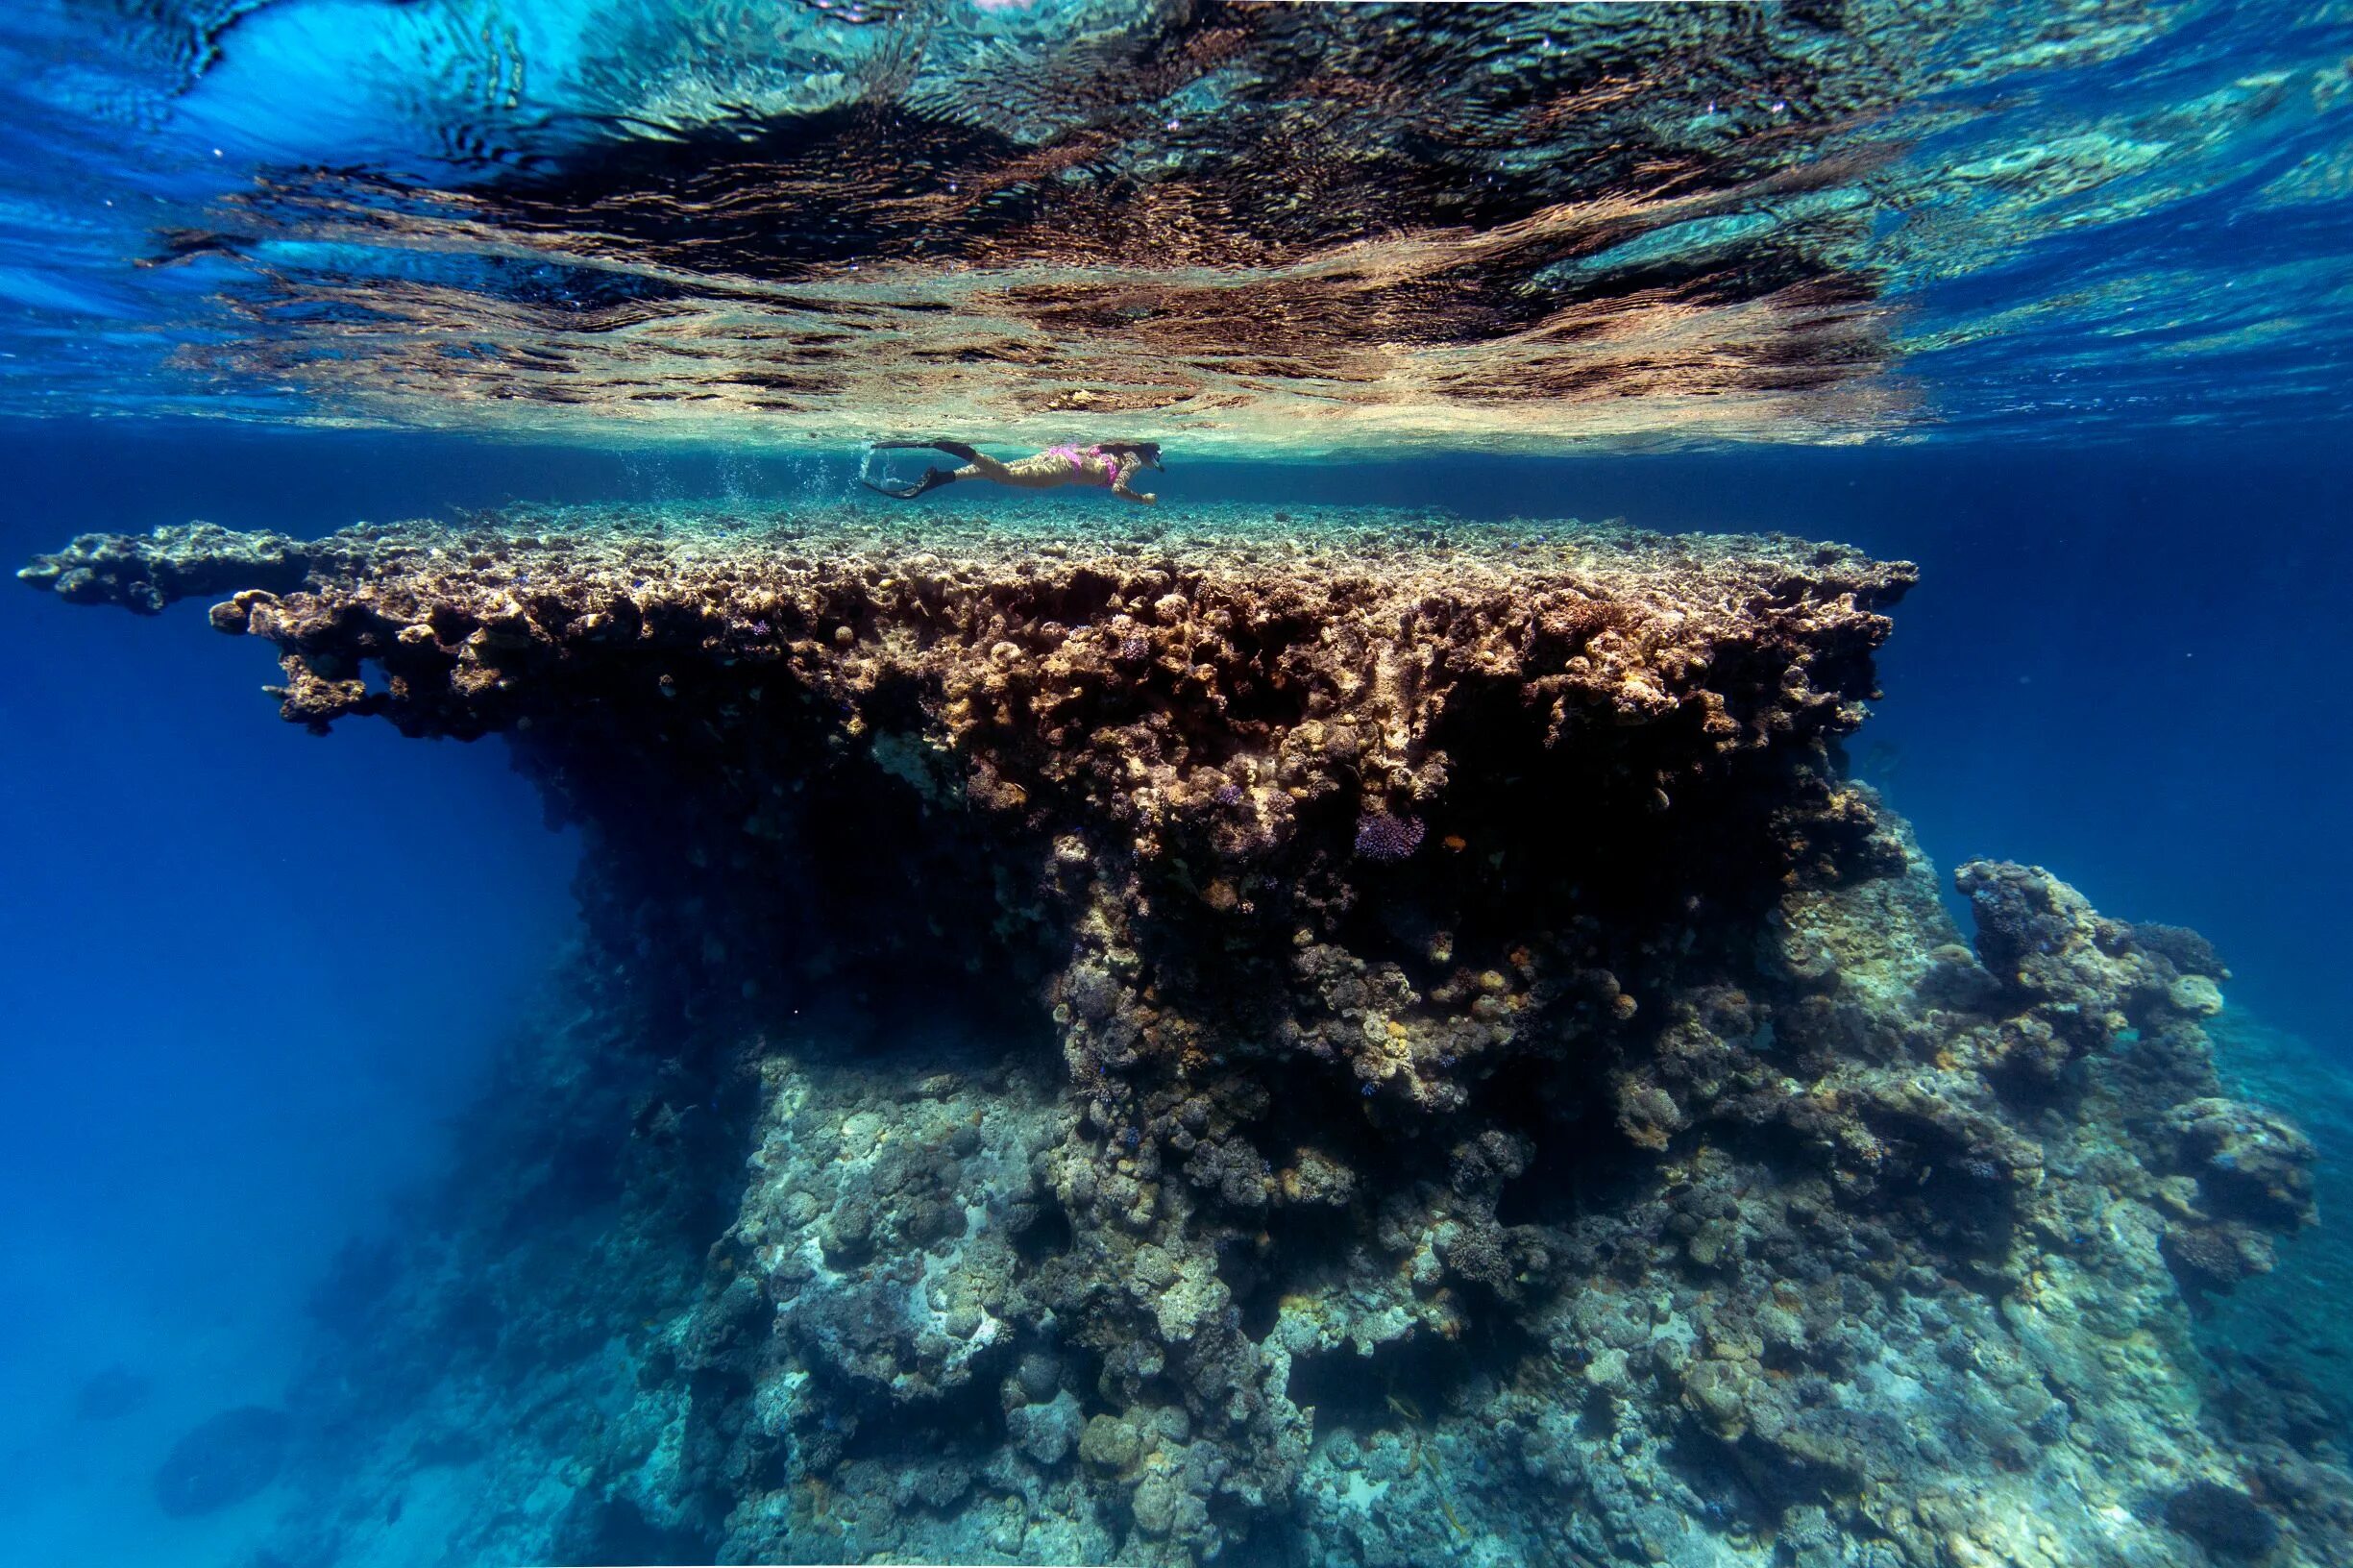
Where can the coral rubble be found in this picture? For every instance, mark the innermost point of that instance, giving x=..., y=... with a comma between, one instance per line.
x=1337, y=1037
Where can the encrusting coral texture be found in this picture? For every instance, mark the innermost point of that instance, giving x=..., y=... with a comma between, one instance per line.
x=1328, y=1037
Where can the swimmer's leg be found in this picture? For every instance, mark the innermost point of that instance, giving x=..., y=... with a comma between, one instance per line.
x=978, y=465
x=954, y=449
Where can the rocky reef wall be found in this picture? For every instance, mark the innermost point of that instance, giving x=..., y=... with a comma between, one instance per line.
x=1331, y=1037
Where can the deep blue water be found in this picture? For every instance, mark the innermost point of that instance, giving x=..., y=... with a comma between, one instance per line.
x=251, y=976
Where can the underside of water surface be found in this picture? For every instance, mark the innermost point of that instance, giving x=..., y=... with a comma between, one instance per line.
x=1261, y=228
x=1186, y=1026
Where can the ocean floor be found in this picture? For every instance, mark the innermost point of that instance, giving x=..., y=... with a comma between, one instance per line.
x=1322, y=1037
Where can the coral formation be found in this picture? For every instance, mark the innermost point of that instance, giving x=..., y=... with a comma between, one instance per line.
x=112, y=1394
x=223, y=1461
x=1363, y=1039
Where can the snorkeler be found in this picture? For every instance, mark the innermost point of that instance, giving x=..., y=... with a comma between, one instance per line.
x=1108, y=463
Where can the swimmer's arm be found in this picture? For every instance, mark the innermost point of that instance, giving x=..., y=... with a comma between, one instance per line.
x=1119, y=486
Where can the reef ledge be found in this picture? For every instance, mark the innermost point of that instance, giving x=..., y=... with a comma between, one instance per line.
x=1289, y=1037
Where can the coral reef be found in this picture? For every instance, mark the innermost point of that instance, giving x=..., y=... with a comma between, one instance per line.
x=1335, y=1036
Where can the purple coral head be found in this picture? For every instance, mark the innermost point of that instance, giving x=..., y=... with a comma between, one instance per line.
x=1229, y=795
x=1381, y=836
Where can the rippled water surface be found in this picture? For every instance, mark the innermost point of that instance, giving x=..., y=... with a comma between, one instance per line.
x=1270, y=228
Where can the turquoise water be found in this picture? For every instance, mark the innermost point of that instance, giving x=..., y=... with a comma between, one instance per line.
x=335, y=1091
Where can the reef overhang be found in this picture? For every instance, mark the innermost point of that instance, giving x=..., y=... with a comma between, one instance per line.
x=1218, y=730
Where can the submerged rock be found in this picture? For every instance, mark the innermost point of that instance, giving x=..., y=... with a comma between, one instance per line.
x=225, y=1459
x=1115, y=1154
x=114, y=1392
x=2224, y=1521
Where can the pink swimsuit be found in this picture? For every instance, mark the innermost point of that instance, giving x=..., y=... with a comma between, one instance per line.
x=1079, y=460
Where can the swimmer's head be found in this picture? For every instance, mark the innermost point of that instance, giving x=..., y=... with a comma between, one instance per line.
x=1147, y=451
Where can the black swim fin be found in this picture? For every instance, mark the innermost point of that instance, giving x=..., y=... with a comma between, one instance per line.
x=931, y=479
